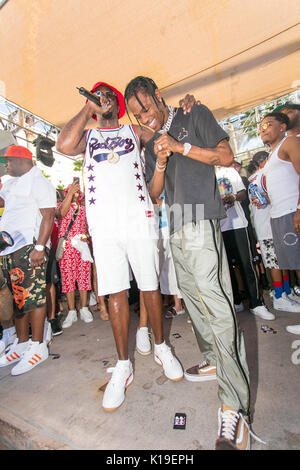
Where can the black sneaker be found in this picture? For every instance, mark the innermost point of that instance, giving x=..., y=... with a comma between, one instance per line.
x=55, y=327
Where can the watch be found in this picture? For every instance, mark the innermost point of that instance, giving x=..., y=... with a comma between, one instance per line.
x=39, y=247
x=186, y=148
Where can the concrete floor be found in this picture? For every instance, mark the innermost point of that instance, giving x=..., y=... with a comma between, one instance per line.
x=58, y=404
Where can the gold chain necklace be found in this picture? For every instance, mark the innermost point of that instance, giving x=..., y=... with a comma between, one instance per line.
x=112, y=157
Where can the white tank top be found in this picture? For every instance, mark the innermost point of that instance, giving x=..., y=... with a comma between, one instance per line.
x=116, y=194
x=282, y=182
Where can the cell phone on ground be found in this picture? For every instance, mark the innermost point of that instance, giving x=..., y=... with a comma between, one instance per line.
x=179, y=421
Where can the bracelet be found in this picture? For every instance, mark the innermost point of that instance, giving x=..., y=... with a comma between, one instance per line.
x=159, y=168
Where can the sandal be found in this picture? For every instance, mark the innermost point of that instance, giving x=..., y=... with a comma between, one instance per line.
x=173, y=313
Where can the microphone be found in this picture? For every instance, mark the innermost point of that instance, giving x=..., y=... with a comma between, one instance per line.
x=90, y=96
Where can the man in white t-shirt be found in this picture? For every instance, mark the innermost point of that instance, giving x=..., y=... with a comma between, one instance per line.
x=29, y=202
x=236, y=239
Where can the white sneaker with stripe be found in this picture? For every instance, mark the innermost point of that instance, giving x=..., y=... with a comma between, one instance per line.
x=122, y=376
x=34, y=355
x=14, y=354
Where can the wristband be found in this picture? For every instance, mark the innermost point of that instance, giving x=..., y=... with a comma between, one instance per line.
x=39, y=247
x=186, y=148
x=159, y=168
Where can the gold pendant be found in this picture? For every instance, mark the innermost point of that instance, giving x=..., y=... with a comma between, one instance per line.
x=113, y=157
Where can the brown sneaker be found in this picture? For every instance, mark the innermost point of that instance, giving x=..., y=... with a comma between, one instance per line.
x=234, y=432
x=200, y=372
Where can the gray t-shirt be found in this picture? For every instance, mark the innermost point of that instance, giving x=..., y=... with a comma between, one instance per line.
x=191, y=188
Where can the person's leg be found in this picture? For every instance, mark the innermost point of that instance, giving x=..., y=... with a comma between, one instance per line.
x=22, y=327
x=37, y=320
x=235, y=274
x=71, y=300
x=122, y=375
x=143, y=323
x=143, y=344
x=83, y=297
x=51, y=300
x=153, y=304
x=244, y=259
x=119, y=318
x=102, y=307
x=178, y=303
x=203, y=278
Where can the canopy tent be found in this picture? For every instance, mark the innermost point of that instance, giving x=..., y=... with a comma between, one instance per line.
x=231, y=54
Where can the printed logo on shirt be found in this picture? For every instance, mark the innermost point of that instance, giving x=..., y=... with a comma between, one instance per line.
x=182, y=134
x=117, y=144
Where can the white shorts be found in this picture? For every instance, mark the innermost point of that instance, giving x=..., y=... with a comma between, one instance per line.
x=167, y=274
x=114, y=258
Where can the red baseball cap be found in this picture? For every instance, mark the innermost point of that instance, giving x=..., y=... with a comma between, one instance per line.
x=17, y=151
x=120, y=98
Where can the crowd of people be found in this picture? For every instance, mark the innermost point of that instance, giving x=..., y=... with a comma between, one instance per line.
x=163, y=203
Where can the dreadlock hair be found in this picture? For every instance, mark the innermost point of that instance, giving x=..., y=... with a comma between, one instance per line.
x=280, y=117
x=144, y=85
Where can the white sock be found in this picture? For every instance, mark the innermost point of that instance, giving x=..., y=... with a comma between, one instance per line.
x=123, y=362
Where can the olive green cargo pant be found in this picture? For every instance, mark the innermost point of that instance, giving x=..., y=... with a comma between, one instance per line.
x=204, y=281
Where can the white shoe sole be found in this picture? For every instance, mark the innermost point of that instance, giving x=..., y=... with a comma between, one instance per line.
x=143, y=353
x=67, y=325
x=158, y=361
x=293, y=331
x=264, y=317
x=87, y=320
x=200, y=378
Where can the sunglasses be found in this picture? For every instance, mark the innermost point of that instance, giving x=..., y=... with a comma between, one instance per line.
x=264, y=126
x=108, y=94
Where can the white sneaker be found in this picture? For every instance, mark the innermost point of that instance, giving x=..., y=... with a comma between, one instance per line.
x=70, y=319
x=171, y=366
x=293, y=297
x=121, y=378
x=8, y=337
x=286, y=304
x=14, y=354
x=92, y=299
x=295, y=329
x=143, y=345
x=86, y=315
x=262, y=312
x=35, y=354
